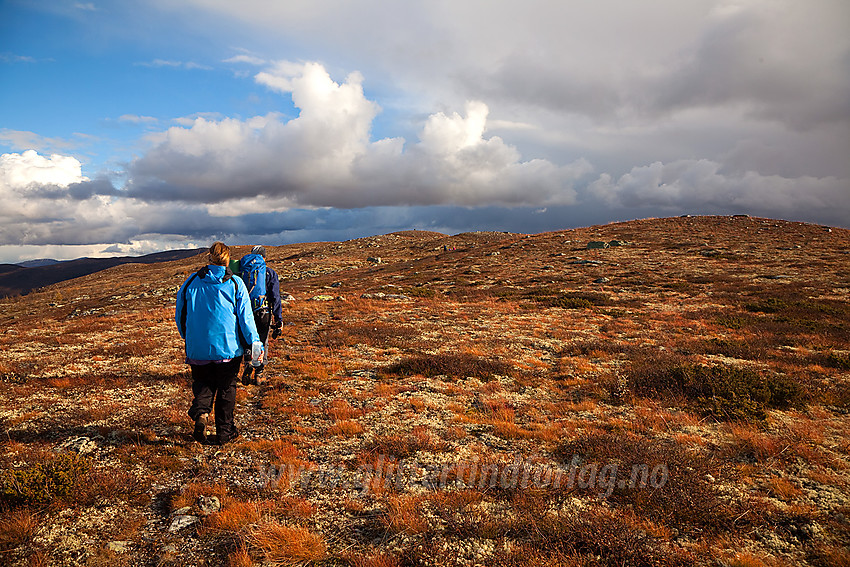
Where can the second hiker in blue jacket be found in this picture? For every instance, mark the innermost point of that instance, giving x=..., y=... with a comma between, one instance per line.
x=266, y=305
x=214, y=317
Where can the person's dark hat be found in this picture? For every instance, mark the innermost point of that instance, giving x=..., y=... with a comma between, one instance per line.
x=259, y=249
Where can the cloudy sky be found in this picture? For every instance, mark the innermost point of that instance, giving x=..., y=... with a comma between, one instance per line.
x=134, y=126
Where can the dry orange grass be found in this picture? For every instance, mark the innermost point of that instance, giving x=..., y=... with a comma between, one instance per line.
x=345, y=428
x=294, y=507
x=341, y=409
x=284, y=545
x=508, y=430
x=315, y=366
x=417, y=404
x=404, y=515
x=284, y=464
x=235, y=515
x=240, y=557
x=385, y=390
x=688, y=439
x=783, y=489
x=280, y=449
x=751, y=441
x=17, y=527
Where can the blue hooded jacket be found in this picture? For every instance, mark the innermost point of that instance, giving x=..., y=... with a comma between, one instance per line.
x=216, y=308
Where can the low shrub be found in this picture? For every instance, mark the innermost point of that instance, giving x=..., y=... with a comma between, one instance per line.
x=744, y=349
x=592, y=536
x=65, y=480
x=838, y=359
x=43, y=483
x=404, y=446
x=769, y=305
x=680, y=496
x=567, y=300
x=724, y=392
x=790, y=316
x=373, y=333
x=455, y=365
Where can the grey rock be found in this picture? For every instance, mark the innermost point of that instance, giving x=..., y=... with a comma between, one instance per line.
x=597, y=244
x=601, y=280
x=180, y=522
x=364, y=373
x=208, y=505
x=286, y=297
x=386, y=296
x=374, y=260
x=617, y=243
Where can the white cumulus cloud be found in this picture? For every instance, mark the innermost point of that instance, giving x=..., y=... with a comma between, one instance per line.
x=326, y=157
x=21, y=172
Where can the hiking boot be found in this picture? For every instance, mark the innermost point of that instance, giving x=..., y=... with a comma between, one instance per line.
x=246, y=375
x=225, y=440
x=258, y=376
x=199, y=434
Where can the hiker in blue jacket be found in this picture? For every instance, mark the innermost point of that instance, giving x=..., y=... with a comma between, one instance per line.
x=263, y=286
x=213, y=315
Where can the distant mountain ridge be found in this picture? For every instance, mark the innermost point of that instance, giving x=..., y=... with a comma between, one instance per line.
x=20, y=279
x=41, y=262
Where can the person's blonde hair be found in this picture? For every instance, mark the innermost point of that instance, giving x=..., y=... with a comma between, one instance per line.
x=219, y=254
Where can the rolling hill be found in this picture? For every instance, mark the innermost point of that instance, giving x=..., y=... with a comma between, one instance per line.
x=21, y=279
x=654, y=392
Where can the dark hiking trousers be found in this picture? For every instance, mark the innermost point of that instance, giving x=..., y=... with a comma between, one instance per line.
x=263, y=319
x=216, y=383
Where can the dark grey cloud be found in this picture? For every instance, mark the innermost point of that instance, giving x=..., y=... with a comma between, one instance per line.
x=755, y=57
x=777, y=61
x=88, y=189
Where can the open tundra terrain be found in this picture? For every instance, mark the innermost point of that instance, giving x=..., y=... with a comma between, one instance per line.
x=654, y=392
